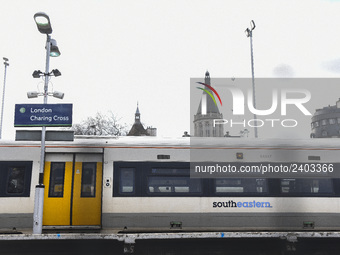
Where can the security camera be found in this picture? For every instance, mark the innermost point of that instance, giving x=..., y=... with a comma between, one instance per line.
x=32, y=94
x=58, y=94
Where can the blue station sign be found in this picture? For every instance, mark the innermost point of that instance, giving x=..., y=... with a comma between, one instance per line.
x=38, y=115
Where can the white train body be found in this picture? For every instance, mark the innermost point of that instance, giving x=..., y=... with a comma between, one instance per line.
x=144, y=184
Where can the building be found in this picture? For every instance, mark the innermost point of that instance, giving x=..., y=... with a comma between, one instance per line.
x=138, y=129
x=203, y=123
x=326, y=122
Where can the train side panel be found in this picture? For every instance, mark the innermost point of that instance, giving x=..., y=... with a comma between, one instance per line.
x=19, y=174
x=281, y=210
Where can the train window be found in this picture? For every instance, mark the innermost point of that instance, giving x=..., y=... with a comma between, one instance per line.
x=88, y=180
x=57, y=179
x=306, y=186
x=127, y=180
x=173, y=184
x=16, y=178
x=172, y=181
x=241, y=185
x=170, y=171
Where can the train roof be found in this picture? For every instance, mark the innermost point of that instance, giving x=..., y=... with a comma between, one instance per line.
x=184, y=142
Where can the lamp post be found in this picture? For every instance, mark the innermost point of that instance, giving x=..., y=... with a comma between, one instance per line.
x=44, y=27
x=3, y=95
x=249, y=33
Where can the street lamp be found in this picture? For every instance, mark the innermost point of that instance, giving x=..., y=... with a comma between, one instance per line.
x=38, y=74
x=54, y=52
x=43, y=23
x=44, y=26
x=3, y=95
x=249, y=33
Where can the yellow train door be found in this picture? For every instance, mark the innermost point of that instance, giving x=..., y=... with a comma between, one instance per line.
x=73, y=190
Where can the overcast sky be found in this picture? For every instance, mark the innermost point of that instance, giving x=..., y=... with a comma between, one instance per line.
x=115, y=53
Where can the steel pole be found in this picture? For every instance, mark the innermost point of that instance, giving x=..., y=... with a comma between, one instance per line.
x=40, y=188
x=253, y=79
x=3, y=99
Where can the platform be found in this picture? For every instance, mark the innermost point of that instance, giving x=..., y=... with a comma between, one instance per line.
x=129, y=239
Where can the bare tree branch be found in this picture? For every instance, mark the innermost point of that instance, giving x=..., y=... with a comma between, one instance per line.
x=101, y=125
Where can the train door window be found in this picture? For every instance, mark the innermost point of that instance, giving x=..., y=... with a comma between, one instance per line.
x=57, y=176
x=127, y=180
x=306, y=186
x=241, y=185
x=88, y=180
x=16, y=179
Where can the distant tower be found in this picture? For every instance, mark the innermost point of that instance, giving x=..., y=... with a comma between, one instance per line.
x=326, y=122
x=137, y=128
x=204, y=122
x=137, y=115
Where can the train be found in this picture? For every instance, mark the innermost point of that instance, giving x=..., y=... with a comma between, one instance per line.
x=143, y=184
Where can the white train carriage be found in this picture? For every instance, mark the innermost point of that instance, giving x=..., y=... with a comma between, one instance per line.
x=144, y=184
